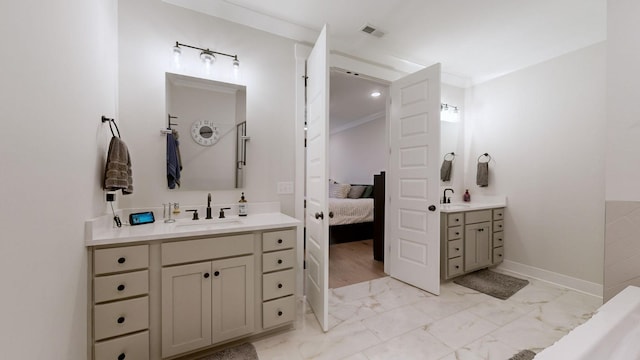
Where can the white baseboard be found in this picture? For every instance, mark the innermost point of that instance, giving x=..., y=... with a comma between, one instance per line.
x=580, y=285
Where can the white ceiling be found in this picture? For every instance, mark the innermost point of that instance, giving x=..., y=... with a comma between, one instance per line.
x=473, y=40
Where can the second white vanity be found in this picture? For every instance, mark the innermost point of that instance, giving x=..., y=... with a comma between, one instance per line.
x=160, y=291
x=471, y=237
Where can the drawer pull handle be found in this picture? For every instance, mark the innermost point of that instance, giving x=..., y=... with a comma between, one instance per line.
x=121, y=287
x=279, y=313
x=279, y=241
x=279, y=285
x=122, y=356
x=121, y=260
x=120, y=320
x=279, y=261
x=206, y=275
x=216, y=274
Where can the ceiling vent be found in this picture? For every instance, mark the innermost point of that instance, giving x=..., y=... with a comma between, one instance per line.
x=371, y=30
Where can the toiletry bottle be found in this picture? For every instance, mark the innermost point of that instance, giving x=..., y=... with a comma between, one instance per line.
x=466, y=197
x=242, y=206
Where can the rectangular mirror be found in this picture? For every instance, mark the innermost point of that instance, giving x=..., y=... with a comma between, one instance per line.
x=210, y=120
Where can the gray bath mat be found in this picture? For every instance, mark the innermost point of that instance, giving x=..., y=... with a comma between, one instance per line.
x=523, y=355
x=244, y=351
x=492, y=283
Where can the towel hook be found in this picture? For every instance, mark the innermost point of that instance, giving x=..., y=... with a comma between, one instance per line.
x=111, y=121
x=453, y=156
x=485, y=154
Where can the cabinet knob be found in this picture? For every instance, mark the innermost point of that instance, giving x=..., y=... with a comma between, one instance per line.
x=500, y=255
x=279, y=312
x=457, y=266
x=217, y=273
x=206, y=275
x=432, y=208
x=457, y=233
x=122, y=356
x=279, y=241
x=457, y=249
x=457, y=220
x=319, y=215
x=121, y=287
x=279, y=286
x=120, y=320
x=279, y=261
x=121, y=260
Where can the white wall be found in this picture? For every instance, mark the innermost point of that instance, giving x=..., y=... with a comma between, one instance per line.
x=622, y=248
x=623, y=68
x=356, y=154
x=543, y=127
x=148, y=29
x=59, y=77
x=452, y=140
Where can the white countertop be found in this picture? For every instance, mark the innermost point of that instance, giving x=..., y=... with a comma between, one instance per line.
x=486, y=202
x=99, y=234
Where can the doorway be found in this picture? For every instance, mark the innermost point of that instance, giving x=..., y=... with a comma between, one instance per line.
x=357, y=151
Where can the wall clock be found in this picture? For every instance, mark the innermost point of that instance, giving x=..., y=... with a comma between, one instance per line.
x=205, y=132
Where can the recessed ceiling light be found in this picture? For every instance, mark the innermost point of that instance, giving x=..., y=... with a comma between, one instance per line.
x=376, y=94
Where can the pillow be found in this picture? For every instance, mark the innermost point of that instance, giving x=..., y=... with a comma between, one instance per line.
x=339, y=191
x=368, y=192
x=356, y=191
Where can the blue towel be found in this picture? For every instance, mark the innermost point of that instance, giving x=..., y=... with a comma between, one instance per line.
x=173, y=162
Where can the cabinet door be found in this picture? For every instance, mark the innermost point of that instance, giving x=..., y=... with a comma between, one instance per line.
x=233, y=297
x=477, y=246
x=186, y=308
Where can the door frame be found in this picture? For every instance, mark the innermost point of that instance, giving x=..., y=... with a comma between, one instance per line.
x=380, y=72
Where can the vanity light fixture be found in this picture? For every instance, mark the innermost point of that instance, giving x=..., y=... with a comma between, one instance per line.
x=449, y=113
x=207, y=56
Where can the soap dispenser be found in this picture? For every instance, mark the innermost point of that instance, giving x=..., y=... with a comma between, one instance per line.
x=466, y=197
x=242, y=206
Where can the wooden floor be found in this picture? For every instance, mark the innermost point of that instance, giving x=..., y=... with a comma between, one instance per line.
x=352, y=262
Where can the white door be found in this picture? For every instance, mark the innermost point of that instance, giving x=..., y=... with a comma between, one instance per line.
x=413, y=214
x=317, y=221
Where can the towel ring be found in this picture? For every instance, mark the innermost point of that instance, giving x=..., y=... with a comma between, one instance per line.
x=485, y=154
x=111, y=121
x=453, y=156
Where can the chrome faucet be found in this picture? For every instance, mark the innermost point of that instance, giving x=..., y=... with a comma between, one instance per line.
x=209, y=206
x=446, y=200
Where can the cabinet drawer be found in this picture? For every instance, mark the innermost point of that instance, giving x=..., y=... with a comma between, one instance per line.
x=278, y=284
x=472, y=217
x=178, y=252
x=121, y=317
x=454, y=232
x=278, y=260
x=498, y=225
x=498, y=255
x=498, y=214
x=114, y=287
x=454, y=266
x=278, y=240
x=277, y=312
x=120, y=259
x=454, y=248
x=498, y=239
x=455, y=219
x=134, y=346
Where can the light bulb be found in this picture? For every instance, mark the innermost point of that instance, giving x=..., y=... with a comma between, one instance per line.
x=207, y=57
x=236, y=63
x=177, y=52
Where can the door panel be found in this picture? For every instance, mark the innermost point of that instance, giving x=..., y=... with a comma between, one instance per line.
x=414, y=138
x=317, y=242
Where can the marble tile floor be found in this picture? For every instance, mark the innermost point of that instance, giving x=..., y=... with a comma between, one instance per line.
x=387, y=319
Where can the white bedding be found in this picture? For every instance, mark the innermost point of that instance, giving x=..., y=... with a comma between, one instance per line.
x=350, y=211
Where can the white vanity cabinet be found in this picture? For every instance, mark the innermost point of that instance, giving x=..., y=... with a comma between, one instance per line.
x=164, y=298
x=471, y=240
x=120, y=306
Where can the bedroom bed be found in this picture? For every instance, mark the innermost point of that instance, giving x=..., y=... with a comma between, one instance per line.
x=356, y=212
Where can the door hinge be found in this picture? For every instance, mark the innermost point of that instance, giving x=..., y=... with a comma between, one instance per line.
x=305, y=80
x=304, y=264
